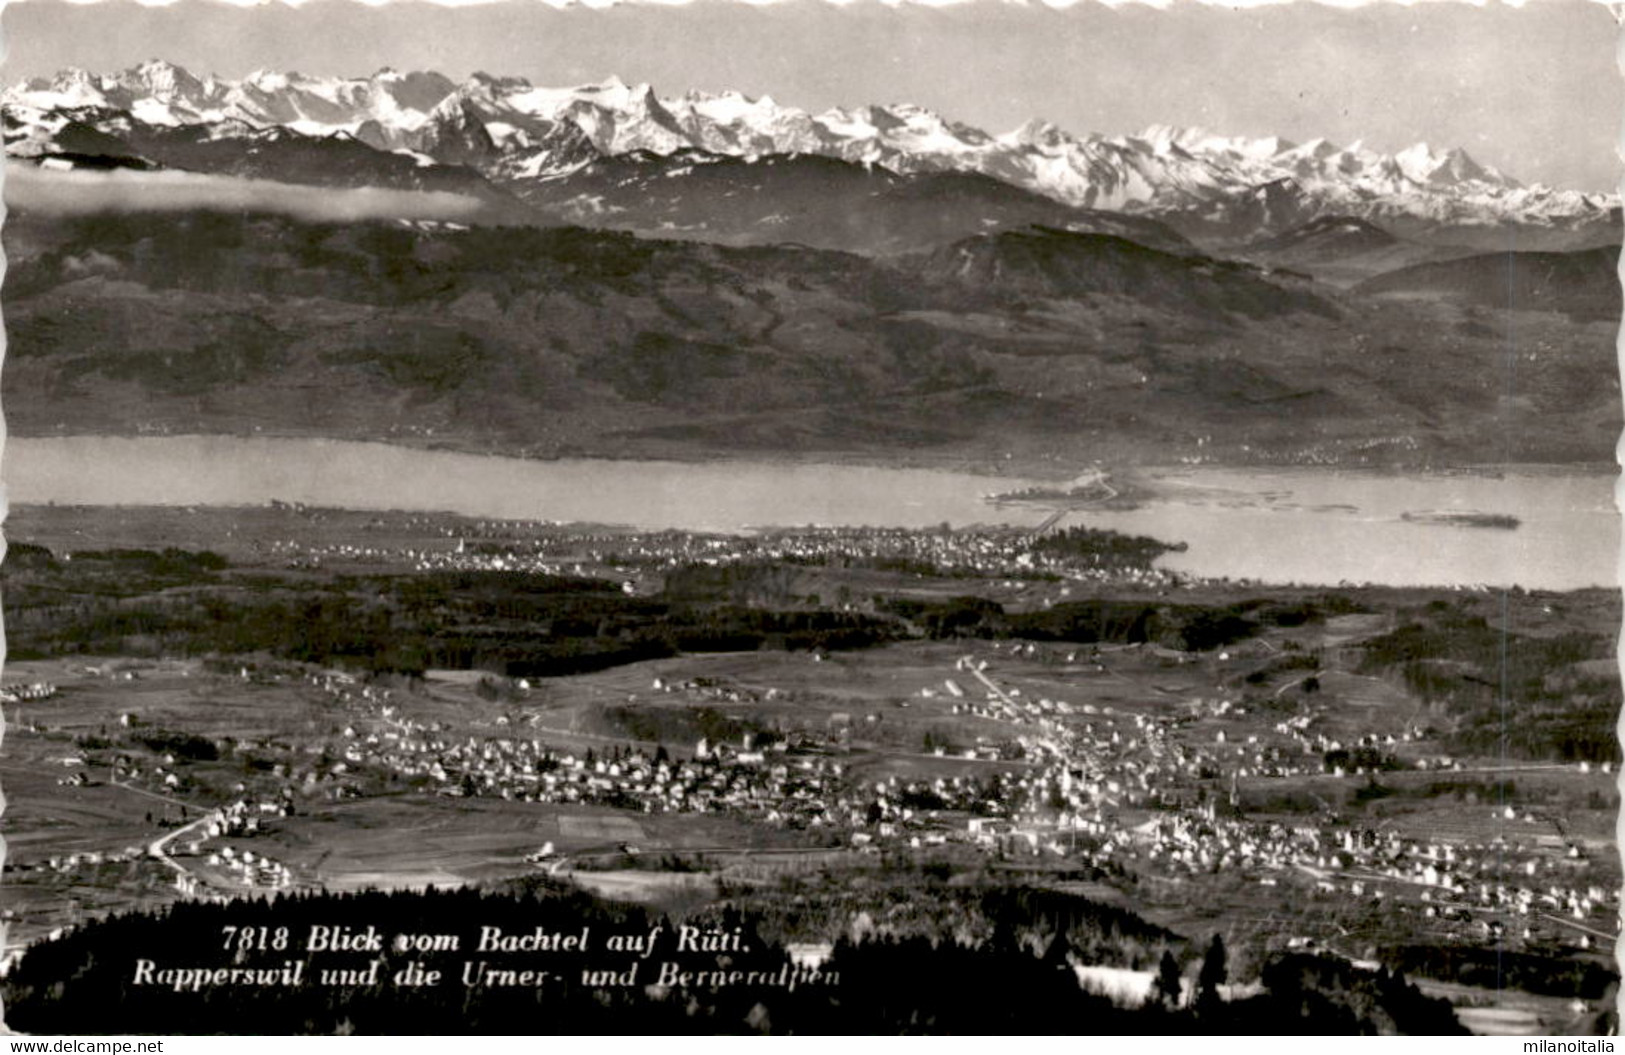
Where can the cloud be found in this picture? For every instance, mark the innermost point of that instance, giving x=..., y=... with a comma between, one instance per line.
x=80, y=192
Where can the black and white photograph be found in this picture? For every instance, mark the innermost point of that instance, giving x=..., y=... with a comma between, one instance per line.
x=946, y=517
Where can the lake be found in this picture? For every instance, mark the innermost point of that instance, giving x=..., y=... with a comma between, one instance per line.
x=1273, y=525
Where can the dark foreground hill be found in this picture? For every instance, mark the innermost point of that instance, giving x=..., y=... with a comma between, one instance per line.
x=1583, y=284
x=158, y=974
x=1037, y=345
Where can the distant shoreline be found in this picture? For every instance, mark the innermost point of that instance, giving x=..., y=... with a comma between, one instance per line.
x=1129, y=477
x=1497, y=521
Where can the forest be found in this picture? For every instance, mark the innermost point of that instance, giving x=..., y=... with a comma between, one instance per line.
x=1019, y=978
x=1521, y=695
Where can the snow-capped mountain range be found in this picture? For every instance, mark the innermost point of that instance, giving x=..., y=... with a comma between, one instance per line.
x=509, y=130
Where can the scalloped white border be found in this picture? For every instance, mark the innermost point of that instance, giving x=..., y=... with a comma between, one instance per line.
x=5, y=511
x=1616, y=6
x=1055, y=4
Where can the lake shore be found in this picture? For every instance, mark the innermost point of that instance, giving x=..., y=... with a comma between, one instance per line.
x=1128, y=462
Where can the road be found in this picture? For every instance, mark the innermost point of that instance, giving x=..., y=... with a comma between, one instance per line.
x=159, y=847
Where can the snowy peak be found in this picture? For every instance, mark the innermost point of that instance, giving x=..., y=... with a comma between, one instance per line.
x=1422, y=164
x=268, y=82
x=68, y=89
x=1037, y=133
x=157, y=77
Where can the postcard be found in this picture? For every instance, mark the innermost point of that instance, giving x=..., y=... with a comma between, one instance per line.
x=981, y=517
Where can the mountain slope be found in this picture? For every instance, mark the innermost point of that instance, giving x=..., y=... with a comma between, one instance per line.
x=104, y=138
x=1046, y=263
x=1343, y=250
x=810, y=200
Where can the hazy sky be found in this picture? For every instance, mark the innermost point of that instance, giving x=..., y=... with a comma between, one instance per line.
x=1534, y=91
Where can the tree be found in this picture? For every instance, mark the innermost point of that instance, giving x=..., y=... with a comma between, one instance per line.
x=1056, y=954
x=1168, y=987
x=1215, y=972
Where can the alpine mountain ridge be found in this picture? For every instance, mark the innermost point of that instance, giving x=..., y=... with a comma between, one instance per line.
x=541, y=144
